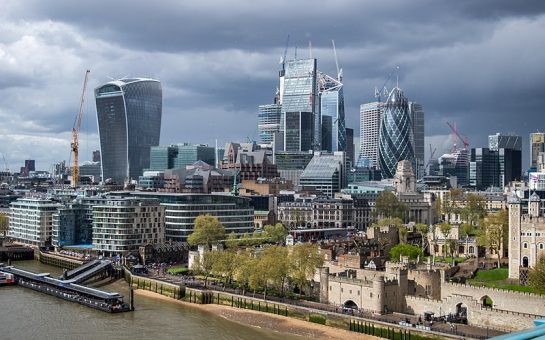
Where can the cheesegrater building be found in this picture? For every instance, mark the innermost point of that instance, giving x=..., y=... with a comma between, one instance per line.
x=129, y=123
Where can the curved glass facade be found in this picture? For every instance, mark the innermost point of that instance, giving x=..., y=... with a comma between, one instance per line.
x=396, y=133
x=129, y=123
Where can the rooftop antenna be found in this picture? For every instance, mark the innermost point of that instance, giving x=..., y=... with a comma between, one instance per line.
x=309, y=49
x=339, y=71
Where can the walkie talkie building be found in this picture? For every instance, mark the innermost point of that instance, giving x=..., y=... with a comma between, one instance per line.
x=129, y=124
x=396, y=133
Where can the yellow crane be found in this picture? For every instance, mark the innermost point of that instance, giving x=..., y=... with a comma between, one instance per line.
x=75, y=134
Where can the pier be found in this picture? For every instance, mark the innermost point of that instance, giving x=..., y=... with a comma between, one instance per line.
x=70, y=290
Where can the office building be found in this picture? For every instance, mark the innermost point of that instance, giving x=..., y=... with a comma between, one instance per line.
x=327, y=133
x=299, y=97
x=129, y=123
x=180, y=155
x=332, y=104
x=31, y=220
x=504, y=141
x=370, y=118
x=537, y=145
x=299, y=131
x=396, y=140
x=417, y=117
x=350, y=146
x=494, y=168
x=269, y=121
x=96, y=156
x=326, y=173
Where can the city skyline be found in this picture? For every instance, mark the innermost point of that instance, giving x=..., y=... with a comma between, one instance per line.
x=461, y=76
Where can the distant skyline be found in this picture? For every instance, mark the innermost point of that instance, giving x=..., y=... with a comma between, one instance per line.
x=478, y=64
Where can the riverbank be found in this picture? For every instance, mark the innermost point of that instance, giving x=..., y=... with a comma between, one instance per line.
x=266, y=321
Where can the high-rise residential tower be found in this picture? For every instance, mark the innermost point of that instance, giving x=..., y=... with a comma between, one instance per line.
x=396, y=139
x=370, y=117
x=129, y=123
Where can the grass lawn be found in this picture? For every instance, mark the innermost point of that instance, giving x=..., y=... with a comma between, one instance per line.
x=177, y=270
x=497, y=278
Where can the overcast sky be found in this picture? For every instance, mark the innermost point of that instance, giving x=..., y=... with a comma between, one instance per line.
x=479, y=64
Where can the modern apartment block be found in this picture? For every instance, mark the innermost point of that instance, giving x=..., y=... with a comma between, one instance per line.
x=31, y=221
x=129, y=123
x=121, y=225
x=234, y=212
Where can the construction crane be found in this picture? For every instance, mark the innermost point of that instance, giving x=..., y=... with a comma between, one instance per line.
x=432, y=154
x=383, y=89
x=457, y=135
x=75, y=134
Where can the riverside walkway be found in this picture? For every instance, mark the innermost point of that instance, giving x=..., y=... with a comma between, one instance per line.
x=453, y=330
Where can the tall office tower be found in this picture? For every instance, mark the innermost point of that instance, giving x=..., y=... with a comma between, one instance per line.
x=350, y=147
x=505, y=141
x=129, y=123
x=537, y=145
x=96, y=156
x=396, y=140
x=417, y=117
x=370, y=118
x=332, y=104
x=299, y=131
x=327, y=133
x=269, y=120
x=494, y=168
x=300, y=95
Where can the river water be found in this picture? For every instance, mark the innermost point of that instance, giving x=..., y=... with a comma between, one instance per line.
x=26, y=314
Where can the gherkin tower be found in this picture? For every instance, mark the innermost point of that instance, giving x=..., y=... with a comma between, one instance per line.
x=396, y=133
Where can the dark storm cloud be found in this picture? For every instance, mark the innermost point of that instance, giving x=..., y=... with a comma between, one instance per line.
x=476, y=63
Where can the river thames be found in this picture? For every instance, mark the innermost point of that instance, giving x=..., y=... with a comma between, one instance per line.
x=26, y=314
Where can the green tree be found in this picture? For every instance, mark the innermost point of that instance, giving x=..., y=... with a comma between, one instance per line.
x=305, y=259
x=224, y=265
x=208, y=231
x=245, y=265
x=493, y=232
x=205, y=265
x=232, y=240
x=475, y=208
x=423, y=230
x=4, y=224
x=388, y=206
x=445, y=229
x=277, y=233
x=536, y=275
x=403, y=249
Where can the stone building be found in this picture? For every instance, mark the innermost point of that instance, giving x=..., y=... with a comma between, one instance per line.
x=526, y=236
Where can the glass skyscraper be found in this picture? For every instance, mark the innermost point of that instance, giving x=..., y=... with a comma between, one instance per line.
x=269, y=120
x=332, y=104
x=300, y=95
x=129, y=123
x=396, y=140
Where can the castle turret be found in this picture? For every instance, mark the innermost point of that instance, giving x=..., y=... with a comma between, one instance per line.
x=324, y=284
x=515, y=210
x=378, y=294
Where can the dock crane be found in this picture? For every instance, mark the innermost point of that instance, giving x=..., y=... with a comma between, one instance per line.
x=75, y=134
